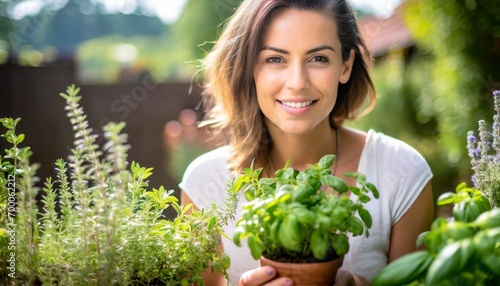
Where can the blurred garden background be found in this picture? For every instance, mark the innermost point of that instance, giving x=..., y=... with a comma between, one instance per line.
x=435, y=66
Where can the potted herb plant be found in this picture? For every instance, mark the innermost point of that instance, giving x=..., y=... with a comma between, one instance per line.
x=463, y=249
x=100, y=222
x=302, y=219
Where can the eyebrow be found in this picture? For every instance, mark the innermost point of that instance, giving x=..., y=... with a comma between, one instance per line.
x=320, y=48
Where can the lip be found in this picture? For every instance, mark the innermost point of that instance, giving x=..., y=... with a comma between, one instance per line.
x=296, y=110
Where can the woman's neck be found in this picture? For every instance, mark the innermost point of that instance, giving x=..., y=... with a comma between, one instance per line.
x=302, y=150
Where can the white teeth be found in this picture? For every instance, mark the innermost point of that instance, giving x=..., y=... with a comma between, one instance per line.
x=296, y=104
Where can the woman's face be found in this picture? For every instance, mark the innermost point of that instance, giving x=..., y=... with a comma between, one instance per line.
x=298, y=71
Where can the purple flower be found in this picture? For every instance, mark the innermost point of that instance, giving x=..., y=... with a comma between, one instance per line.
x=496, y=159
x=496, y=100
x=471, y=138
x=474, y=180
x=474, y=153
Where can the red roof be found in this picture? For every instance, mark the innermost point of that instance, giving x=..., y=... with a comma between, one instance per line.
x=385, y=34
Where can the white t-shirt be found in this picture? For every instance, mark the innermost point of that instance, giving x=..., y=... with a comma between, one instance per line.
x=398, y=171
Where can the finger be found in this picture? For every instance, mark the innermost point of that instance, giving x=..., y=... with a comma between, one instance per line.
x=344, y=278
x=282, y=281
x=264, y=276
x=257, y=276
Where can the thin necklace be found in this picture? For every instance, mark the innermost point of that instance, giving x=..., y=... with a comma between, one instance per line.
x=336, y=151
x=271, y=161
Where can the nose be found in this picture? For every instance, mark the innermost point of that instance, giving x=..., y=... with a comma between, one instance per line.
x=298, y=77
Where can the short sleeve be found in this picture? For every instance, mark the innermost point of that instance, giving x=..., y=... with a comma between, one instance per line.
x=205, y=179
x=400, y=171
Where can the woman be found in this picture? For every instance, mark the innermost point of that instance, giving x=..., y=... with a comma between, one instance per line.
x=280, y=82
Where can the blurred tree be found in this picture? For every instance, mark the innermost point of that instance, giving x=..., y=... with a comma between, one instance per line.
x=5, y=21
x=6, y=28
x=462, y=39
x=200, y=24
x=64, y=28
x=400, y=111
x=439, y=89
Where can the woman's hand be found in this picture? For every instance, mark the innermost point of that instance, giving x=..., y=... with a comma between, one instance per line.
x=265, y=275
x=346, y=278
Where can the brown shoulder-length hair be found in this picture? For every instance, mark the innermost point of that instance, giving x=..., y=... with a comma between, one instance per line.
x=229, y=90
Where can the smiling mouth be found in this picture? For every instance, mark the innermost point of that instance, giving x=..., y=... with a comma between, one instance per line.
x=297, y=104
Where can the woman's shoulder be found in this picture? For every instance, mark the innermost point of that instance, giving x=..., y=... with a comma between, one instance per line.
x=206, y=176
x=215, y=159
x=393, y=155
x=382, y=142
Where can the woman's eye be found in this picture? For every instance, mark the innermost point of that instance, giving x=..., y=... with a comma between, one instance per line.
x=274, y=60
x=321, y=59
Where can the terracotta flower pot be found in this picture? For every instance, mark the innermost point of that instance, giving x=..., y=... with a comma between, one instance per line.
x=307, y=274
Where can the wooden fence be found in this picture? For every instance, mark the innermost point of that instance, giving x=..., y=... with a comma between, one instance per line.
x=145, y=106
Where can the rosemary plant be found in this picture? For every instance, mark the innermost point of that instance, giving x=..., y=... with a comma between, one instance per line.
x=99, y=222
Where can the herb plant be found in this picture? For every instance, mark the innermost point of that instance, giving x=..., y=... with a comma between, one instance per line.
x=99, y=223
x=485, y=156
x=465, y=249
x=292, y=218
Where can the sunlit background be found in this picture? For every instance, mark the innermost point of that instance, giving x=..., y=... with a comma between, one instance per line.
x=115, y=40
x=435, y=66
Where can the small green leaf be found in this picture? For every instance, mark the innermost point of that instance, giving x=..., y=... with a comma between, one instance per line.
x=363, y=198
x=319, y=244
x=255, y=246
x=250, y=193
x=450, y=260
x=340, y=243
x=326, y=161
x=460, y=187
x=355, y=225
x=239, y=183
x=446, y=199
x=404, y=270
x=225, y=260
x=212, y=223
x=291, y=233
x=186, y=208
x=365, y=216
x=238, y=232
x=355, y=190
x=303, y=192
x=373, y=189
x=421, y=238
x=305, y=216
x=20, y=138
x=335, y=183
x=266, y=181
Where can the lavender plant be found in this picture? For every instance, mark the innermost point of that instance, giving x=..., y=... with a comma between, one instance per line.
x=485, y=156
x=100, y=223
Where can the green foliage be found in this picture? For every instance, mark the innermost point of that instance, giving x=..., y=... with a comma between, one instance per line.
x=484, y=153
x=201, y=23
x=401, y=83
x=291, y=217
x=463, y=250
x=468, y=203
x=100, y=224
x=445, y=78
x=55, y=23
x=461, y=39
